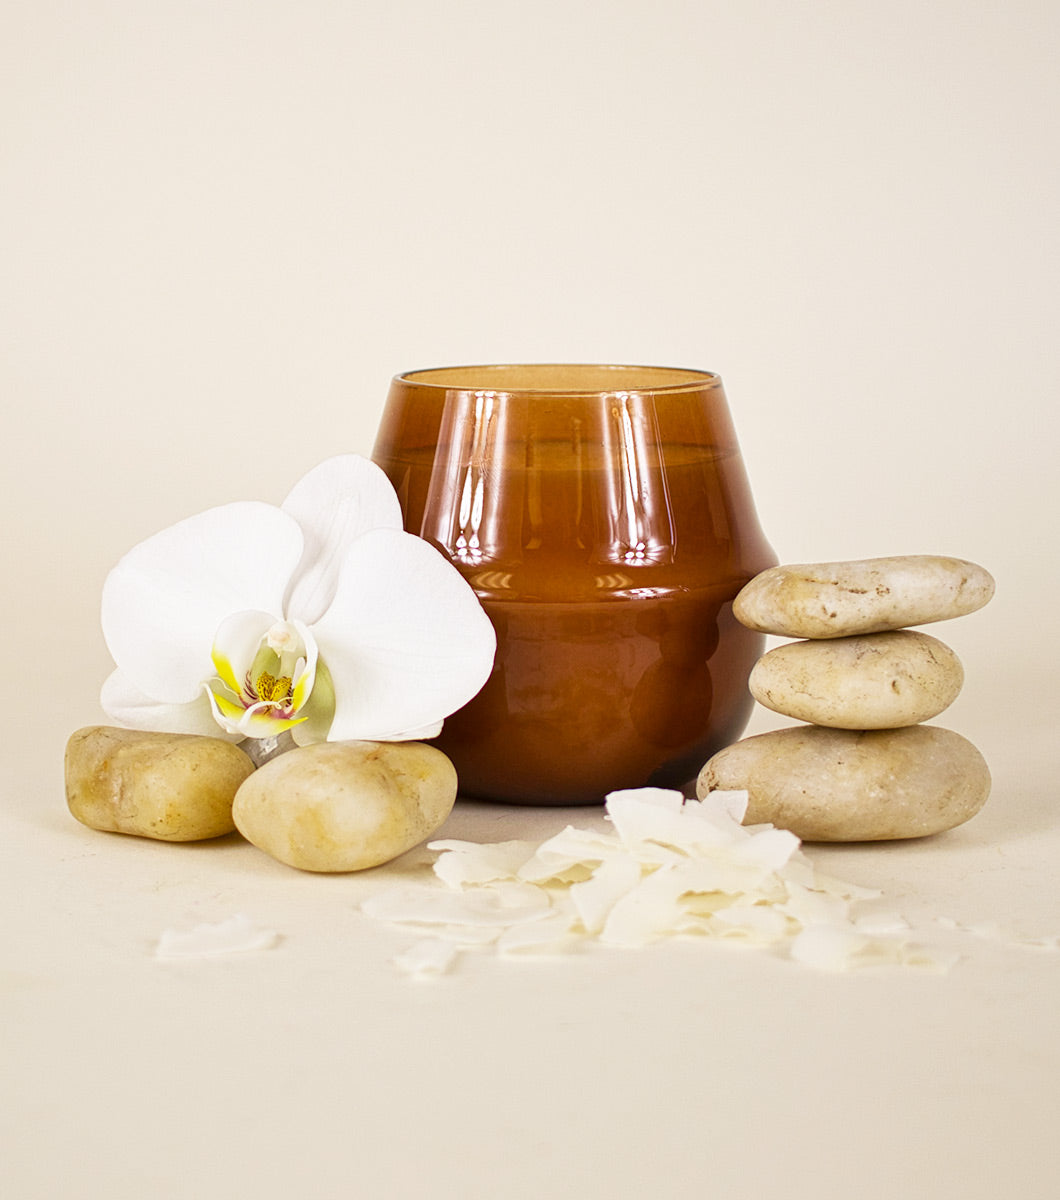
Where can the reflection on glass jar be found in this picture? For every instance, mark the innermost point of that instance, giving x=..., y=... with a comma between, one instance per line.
x=603, y=516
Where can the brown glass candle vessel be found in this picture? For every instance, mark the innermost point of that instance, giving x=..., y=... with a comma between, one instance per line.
x=603, y=516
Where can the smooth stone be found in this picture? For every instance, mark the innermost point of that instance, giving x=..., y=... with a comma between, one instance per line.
x=346, y=806
x=879, y=681
x=838, y=785
x=174, y=787
x=870, y=595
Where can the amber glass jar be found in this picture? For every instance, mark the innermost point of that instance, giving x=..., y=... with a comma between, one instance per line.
x=603, y=516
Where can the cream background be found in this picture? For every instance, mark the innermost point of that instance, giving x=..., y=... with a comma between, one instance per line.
x=223, y=227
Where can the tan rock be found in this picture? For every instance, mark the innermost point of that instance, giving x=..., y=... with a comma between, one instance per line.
x=879, y=681
x=345, y=806
x=872, y=595
x=170, y=786
x=838, y=785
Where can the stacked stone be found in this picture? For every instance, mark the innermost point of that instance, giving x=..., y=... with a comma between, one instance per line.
x=863, y=768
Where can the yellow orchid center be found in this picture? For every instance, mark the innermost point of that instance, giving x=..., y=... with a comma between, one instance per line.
x=280, y=659
x=266, y=675
x=275, y=691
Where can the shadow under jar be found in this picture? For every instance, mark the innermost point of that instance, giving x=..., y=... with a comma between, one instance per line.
x=603, y=516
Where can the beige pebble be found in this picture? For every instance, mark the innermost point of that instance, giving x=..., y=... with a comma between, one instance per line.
x=871, y=595
x=345, y=806
x=879, y=681
x=839, y=785
x=171, y=786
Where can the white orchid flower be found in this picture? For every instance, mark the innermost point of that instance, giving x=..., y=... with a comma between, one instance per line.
x=322, y=617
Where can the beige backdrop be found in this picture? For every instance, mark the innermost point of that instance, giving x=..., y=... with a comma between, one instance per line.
x=224, y=226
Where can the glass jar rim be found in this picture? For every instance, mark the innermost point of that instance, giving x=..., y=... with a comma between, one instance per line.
x=585, y=379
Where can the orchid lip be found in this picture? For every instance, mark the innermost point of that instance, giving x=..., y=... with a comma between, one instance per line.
x=266, y=669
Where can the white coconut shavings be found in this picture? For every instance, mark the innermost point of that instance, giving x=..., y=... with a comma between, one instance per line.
x=882, y=922
x=471, y=863
x=595, y=897
x=808, y=906
x=235, y=935
x=666, y=867
x=551, y=935
x=834, y=948
x=429, y=957
x=992, y=931
x=760, y=923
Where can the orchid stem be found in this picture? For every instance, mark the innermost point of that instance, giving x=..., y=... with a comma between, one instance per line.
x=263, y=750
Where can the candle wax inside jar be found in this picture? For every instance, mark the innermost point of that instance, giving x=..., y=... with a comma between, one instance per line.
x=610, y=584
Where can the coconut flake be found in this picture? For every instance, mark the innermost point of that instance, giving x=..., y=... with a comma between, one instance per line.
x=836, y=948
x=881, y=923
x=731, y=804
x=992, y=931
x=811, y=907
x=596, y=897
x=649, y=815
x=828, y=947
x=753, y=922
x=551, y=934
x=915, y=955
x=467, y=936
x=652, y=815
x=570, y=856
x=666, y=866
x=841, y=888
x=473, y=862
x=653, y=908
x=429, y=957
x=235, y=935
x=770, y=849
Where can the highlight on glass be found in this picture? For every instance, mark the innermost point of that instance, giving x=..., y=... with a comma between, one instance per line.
x=603, y=516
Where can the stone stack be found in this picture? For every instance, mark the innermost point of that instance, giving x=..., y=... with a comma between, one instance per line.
x=863, y=768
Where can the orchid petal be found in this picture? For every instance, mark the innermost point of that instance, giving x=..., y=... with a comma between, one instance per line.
x=318, y=711
x=163, y=602
x=236, y=642
x=306, y=680
x=422, y=733
x=338, y=501
x=405, y=638
x=126, y=704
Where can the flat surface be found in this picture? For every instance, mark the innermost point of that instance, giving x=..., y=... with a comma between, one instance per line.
x=316, y=1065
